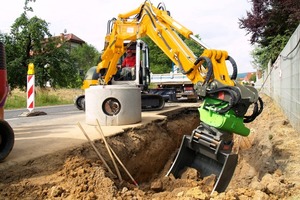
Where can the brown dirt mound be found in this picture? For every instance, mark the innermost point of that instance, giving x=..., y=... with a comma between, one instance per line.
x=268, y=165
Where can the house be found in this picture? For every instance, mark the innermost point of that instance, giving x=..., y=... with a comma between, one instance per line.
x=71, y=40
x=246, y=78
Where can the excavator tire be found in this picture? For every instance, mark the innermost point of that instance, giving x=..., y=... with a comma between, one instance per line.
x=80, y=103
x=223, y=167
x=7, y=139
x=152, y=102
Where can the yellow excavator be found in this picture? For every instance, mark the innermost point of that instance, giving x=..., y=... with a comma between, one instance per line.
x=225, y=102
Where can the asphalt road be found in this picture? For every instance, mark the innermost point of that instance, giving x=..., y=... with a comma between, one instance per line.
x=59, y=129
x=10, y=114
x=18, y=117
x=40, y=135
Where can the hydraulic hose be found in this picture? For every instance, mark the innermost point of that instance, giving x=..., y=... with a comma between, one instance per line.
x=234, y=66
x=258, y=107
x=235, y=96
x=209, y=66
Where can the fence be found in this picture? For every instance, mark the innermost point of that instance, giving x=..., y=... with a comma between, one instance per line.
x=282, y=80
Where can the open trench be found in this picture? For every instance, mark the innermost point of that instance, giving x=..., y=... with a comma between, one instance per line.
x=147, y=153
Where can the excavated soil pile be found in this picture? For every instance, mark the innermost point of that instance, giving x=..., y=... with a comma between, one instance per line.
x=268, y=168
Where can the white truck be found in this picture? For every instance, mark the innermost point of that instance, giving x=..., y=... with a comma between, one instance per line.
x=174, y=86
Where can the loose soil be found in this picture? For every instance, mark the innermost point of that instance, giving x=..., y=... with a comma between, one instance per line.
x=268, y=167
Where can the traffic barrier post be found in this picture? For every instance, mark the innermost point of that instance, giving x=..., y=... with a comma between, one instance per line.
x=30, y=87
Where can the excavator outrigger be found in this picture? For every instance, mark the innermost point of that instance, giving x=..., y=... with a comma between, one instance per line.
x=223, y=111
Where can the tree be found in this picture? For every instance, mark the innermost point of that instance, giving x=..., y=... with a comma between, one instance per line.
x=269, y=18
x=85, y=56
x=262, y=55
x=253, y=78
x=25, y=37
x=270, y=23
x=31, y=42
x=197, y=50
x=55, y=66
x=159, y=61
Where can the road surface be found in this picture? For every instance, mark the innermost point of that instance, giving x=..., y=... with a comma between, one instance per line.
x=40, y=135
x=49, y=110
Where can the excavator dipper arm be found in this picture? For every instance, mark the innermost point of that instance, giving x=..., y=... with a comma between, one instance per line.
x=208, y=148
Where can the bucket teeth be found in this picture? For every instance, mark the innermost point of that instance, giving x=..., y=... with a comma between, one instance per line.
x=202, y=152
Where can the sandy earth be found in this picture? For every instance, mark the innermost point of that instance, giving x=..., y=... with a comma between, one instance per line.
x=268, y=168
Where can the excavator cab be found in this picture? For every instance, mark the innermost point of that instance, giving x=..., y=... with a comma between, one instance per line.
x=139, y=77
x=140, y=73
x=126, y=72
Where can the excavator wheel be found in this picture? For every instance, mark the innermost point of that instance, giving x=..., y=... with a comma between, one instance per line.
x=80, y=102
x=7, y=139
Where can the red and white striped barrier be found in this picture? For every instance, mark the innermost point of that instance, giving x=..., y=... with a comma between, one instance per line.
x=30, y=87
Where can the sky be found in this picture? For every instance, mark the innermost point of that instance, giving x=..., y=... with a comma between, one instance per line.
x=215, y=21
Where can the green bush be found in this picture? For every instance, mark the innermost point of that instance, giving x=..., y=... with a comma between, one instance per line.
x=15, y=101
